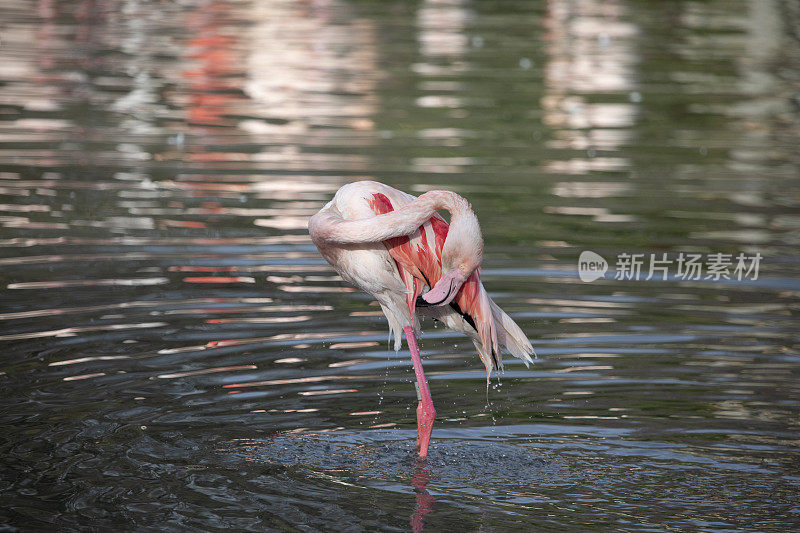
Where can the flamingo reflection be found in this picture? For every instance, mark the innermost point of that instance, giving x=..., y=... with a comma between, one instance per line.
x=419, y=480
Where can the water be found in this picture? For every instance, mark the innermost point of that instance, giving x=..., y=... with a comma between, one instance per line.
x=176, y=355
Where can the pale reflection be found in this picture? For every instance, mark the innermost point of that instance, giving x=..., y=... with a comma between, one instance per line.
x=384, y=425
x=280, y=337
x=325, y=393
x=580, y=166
x=594, y=320
x=84, y=376
x=315, y=289
x=365, y=313
x=294, y=381
x=598, y=214
x=218, y=279
x=283, y=222
x=207, y=371
x=73, y=331
x=169, y=303
x=21, y=242
x=606, y=189
x=594, y=304
x=351, y=345
x=441, y=28
x=592, y=355
x=590, y=417
x=301, y=66
x=311, y=70
x=589, y=51
x=140, y=107
x=87, y=359
x=443, y=43
x=754, y=99
x=260, y=320
x=351, y=362
x=583, y=368
x=267, y=308
x=447, y=165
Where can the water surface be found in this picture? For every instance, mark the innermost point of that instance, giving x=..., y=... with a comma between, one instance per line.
x=175, y=355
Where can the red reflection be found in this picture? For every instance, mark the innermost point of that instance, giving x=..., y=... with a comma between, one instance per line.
x=182, y=223
x=424, y=499
x=210, y=92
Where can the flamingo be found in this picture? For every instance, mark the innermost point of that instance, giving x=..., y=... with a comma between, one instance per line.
x=397, y=248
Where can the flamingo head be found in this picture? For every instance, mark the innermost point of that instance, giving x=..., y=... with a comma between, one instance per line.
x=461, y=256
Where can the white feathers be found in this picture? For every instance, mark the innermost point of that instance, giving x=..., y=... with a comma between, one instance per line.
x=464, y=244
x=350, y=236
x=511, y=336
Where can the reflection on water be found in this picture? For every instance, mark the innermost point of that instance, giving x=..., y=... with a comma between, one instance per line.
x=590, y=53
x=177, y=355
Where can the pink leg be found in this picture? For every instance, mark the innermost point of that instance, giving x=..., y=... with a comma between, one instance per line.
x=425, y=411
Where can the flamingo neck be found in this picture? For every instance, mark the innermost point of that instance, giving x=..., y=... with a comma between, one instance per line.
x=464, y=235
x=449, y=201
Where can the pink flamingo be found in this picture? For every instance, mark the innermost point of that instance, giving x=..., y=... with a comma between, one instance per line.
x=394, y=246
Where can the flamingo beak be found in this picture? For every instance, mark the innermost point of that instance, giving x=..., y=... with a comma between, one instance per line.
x=443, y=292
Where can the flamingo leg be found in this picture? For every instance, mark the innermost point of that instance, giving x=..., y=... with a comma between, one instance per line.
x=426, y=414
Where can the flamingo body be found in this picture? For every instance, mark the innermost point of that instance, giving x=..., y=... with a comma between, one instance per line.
x=397, y=248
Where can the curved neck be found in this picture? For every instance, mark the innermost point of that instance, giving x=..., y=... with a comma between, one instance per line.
x=465, y=231
x=449, y=201
x=329, y=226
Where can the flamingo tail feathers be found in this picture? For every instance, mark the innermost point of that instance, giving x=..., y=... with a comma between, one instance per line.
x=511, y=336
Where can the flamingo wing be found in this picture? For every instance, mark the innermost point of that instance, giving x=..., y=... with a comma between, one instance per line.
x=419, y=260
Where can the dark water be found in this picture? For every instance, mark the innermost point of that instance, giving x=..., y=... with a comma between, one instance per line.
x=174, y=354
